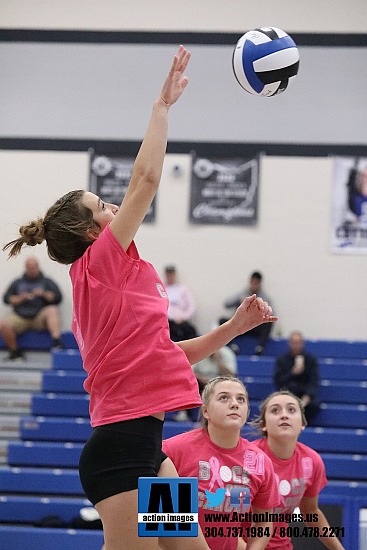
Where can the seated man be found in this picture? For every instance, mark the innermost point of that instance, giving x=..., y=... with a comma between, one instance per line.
x=298, y=372
x=181, y=307
x=33, y=298
x=262, y=332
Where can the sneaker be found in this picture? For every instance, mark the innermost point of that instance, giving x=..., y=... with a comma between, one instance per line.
x=57, y=344
x=16, y=356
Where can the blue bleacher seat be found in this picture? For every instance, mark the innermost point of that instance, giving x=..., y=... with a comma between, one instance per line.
x=67, y=359
x=172, y=428
x=50, y=454
x=345, y=466
x=68, y=404
x=337, y=349
x=33, y=428
x=342, y=415
x=335, y=440
x=31, y=509
x=343, y=392
x=338, y=466
x=330, y=369
x=332, y=415
x=41, y=340
x=57, y=481
x=32, y=538
x=62, y=381
x=330, y=391
x=346, y=489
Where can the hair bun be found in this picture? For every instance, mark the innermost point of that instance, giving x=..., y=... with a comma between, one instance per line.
x=33, y=233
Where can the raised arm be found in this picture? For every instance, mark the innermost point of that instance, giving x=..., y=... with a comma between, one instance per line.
x=148, y=164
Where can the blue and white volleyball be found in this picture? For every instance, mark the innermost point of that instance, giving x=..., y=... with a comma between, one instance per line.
x=265, y=60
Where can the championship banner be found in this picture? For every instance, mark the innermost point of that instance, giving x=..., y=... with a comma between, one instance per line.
x=109, y=179
x=224, y=191
x=349, y=216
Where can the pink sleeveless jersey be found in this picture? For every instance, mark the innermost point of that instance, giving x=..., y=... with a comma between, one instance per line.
x=120, y=323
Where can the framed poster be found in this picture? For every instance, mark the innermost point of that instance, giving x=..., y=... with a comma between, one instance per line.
x=224, y=191
x=349, y=210
x=109, y=179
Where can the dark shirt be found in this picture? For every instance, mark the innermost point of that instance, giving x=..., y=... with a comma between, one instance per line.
x=30, y=308
x=306, y=383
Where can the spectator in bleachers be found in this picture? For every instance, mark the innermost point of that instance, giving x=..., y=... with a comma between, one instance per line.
x=181, y=307
x=298, y=372
x=34, y=299
x=299, y=469
x=261, y=333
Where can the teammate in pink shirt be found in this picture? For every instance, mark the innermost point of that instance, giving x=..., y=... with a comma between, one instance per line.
x=299, y=471
x=135, y=372
x=235, y=478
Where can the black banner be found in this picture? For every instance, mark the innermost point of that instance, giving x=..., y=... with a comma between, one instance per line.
x=224, y=191
x=109, y=178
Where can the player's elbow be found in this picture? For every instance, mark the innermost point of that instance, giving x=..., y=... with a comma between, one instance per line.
x=148, y=177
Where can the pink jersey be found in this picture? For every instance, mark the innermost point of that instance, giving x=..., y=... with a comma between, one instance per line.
x=218, y=469
x=121, y=326
x=303, y=475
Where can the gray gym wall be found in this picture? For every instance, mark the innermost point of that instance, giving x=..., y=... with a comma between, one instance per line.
x=104, y=91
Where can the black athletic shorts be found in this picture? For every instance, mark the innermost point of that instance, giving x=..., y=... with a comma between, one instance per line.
x=117, y=454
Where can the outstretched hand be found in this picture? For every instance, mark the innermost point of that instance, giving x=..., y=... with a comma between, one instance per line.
x=252, y=312
x=175, y=83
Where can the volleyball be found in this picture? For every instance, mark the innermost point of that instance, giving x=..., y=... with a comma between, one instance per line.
x=265, y=60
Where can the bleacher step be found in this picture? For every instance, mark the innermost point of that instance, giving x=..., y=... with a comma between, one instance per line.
x=35, y=480
x=3, y=452
x=15, y=402
x=9, y=427
x=33, y=360
x=20, y=380
x=32, y=509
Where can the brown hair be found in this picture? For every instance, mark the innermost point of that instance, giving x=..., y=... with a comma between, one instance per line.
x=64, y=228
x=208, y=392
x=259, y=421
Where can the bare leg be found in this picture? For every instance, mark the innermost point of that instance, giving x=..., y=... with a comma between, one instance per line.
x=8, y=334
x=168, y=469
x=53, y=321
x=119, y=515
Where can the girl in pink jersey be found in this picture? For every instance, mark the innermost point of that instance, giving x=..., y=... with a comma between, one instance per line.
x=235, y=478
x=299, y=470
x=135, y=372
